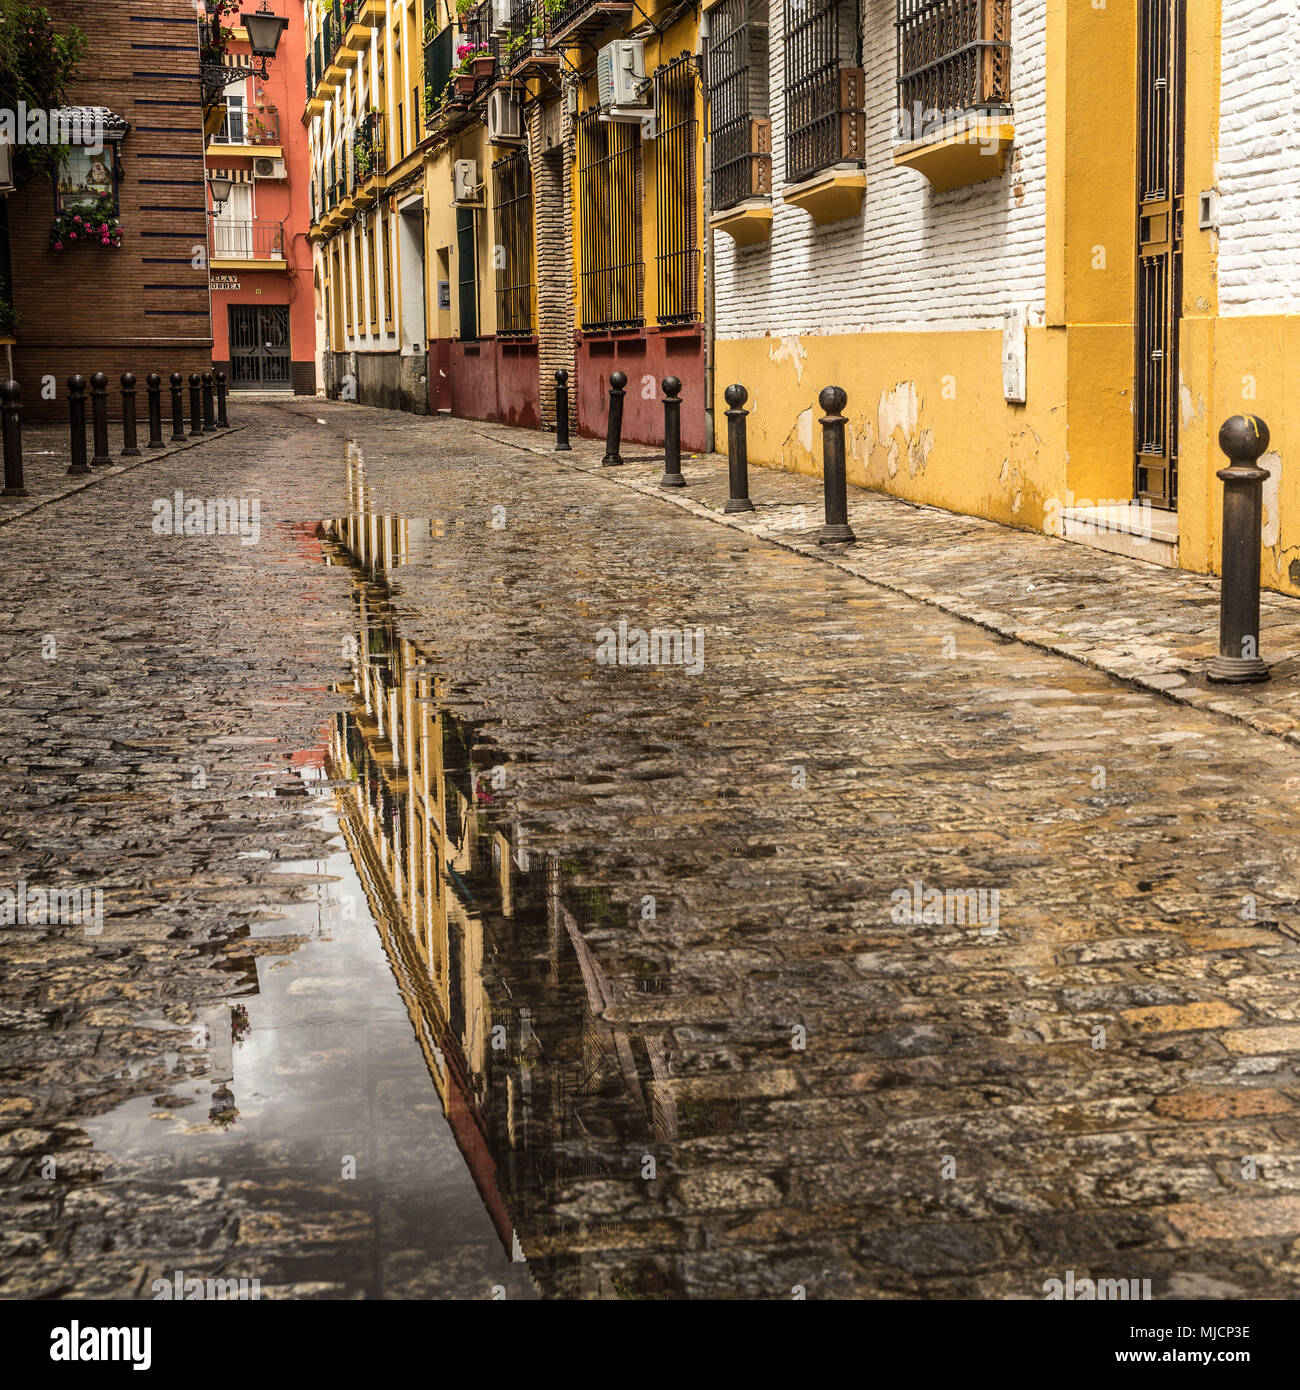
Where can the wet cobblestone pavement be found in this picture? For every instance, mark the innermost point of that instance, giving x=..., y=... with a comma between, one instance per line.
x=605, y=976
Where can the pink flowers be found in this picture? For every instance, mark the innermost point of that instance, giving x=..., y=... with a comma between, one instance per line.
x=58, y=246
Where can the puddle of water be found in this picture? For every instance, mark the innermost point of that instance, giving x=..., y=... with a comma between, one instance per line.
x=316, y=1072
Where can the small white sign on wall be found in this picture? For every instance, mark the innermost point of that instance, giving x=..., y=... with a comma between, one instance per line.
x=1013, y=355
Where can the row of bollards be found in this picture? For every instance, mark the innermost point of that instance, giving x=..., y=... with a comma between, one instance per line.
x=208, y=413
x=1244, y=439
x=208, y=393
x=835, y=531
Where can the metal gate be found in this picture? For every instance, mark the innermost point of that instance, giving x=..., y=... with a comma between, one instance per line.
x=1161, y=68
x=259, y=346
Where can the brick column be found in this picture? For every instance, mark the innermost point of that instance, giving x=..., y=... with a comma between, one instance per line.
x=552, y=215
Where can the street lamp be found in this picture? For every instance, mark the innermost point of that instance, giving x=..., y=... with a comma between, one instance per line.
x=219, y=185
x=264, y=30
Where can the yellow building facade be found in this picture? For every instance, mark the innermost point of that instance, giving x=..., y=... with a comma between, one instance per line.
x=1039, y=337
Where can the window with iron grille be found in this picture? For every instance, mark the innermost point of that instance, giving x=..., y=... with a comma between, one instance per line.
x=512, y=179
x=823, y=86
x=954, y=58
x=467, y=258
x=347, y=283
x=677, y=258
x=609, y=156
x=738, y=100
x=388, y=274
x=373, y=277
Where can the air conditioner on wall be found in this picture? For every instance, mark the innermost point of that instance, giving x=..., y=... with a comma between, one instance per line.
x=501, y=15
x=464, y=181
x=505, y=117
x=623, y=92
x=265, y=167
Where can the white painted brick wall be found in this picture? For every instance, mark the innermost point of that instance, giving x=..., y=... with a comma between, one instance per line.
x=1259, y=159
x=914, y=259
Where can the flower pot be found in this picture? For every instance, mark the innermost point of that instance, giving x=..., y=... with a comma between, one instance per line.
x=465, y=83
x=483, y=66
x=539, y=45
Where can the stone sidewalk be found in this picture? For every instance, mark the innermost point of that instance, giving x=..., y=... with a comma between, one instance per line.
x=1151, y=626
x=47, y=453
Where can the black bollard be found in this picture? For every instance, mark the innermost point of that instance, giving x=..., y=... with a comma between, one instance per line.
x=177, y=382
x=130, y=441
x=672, y=477
x=99, y=418
x=11, y=400
x=614, y=430
x=562, y=412
x=222, y=422
x=837, y=530
x=737, y=450
x=196, y=405
x=1243, y=438
x=209, y=404
x=77, y=420
x=154, y=383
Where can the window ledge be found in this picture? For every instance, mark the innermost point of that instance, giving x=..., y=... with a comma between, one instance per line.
x=747, y=223
x=830, y=196
x=977, y=150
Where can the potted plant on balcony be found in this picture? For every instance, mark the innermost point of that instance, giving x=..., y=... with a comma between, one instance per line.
x=482, y=61
x=462, y=73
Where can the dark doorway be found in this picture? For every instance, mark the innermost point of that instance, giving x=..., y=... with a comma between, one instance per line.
x=259, y=347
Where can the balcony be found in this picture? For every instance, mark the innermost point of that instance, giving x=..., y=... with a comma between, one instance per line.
x=369, y=161
x=583, y=18
x=355, y=32
x=530, y=48
x=240, y=245
x=248, y=131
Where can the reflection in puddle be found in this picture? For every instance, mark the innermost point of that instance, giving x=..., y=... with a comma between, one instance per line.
x=486, y=942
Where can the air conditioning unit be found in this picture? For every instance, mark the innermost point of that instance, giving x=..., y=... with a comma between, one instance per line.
x=501, y=15
x=265, y=167
x=464, y=181
x=620, y=74
x=505, y=117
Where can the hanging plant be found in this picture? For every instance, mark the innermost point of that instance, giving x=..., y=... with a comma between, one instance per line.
x=9, y=319
x=87, y=224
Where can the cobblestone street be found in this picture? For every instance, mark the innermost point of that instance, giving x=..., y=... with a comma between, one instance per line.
x=546, y=974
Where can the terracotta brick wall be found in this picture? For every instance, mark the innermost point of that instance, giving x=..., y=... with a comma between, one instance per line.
x=143, y=307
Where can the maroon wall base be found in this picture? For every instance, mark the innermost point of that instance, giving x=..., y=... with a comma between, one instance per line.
x=646, y=356
x=491, y=379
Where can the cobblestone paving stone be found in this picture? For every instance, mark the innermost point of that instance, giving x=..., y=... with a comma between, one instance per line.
x=841, y=743
x=1144, y=623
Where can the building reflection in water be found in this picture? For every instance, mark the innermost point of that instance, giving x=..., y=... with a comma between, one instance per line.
x=486, y=943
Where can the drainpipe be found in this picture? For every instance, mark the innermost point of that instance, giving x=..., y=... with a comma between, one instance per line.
x=706, y=240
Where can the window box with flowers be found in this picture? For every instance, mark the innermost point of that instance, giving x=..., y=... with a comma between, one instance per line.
x=88, y=224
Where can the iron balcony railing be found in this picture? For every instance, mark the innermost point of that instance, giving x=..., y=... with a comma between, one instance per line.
x=247, y=241
x=954, y=57
x=562, y=16
x=259, y=126
x=529, y=33
x=738, y=93
x=368, y=157
x=822, y=48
